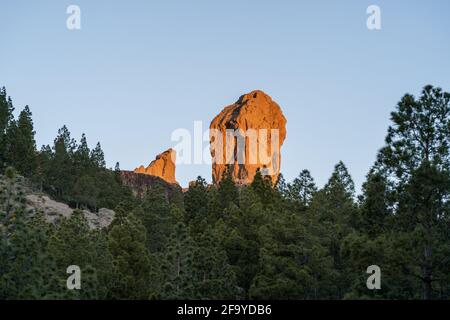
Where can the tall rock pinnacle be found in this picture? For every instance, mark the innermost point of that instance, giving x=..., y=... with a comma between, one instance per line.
x=163, y=166
x=247, y=136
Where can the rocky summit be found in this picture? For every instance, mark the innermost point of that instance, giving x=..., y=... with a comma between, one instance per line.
x=257, y=121
x=163, y=166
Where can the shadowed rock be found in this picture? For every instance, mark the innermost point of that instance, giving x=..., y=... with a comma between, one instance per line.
x=140, y=184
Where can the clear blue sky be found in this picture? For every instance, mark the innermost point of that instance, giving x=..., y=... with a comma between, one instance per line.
x=137, y=70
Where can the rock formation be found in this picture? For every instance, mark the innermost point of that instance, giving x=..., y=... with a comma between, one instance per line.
x=54, y=211
x=163, y=166
x=160, y=174
x=140, y=184
x=247, y=136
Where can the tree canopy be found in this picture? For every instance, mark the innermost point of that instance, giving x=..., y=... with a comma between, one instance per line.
x=292, y=240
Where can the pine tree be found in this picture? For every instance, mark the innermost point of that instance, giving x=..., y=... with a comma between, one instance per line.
x=61, y=173
x=27, y=271
x=82, y=157
x=214, y=277
x=375, y=212
x=341, y=182
x=64, y=142
x=420, y=132
x=85, y=192
x=426, y=213
x=98, y=157
x=293, y=263
x=227, y=193
x=12, y=196
x=117, y=172
x=302, y=189
x=73, y=243
x=242, y=242
x=19, y=144
x=196, y=205
x=262, y=186
x=281, y=186
x=10, y=144
x=43, y=161
x=337, y=213
x=178, y=265
x=155, y=214
x=416, y=161
x=6, y=117
x=133, y=264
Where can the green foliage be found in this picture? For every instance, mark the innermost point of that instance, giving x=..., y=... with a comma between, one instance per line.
x=299, y=193
x=336, y=213
x=416, y=160
x=73, y=243
x=20, y=144
x=288, y=241
x=158, y=217
x=293, y=263
x=375, y=212
x=420, y=132
x=132, y=261
x=6, y=118
x=214, y=277
x=424, y=211
x=262, y=186
x=178, y=265
x=196, y=202
x=302, y=189
x=12, y=196
x=74, y=174
x=227, y=192
x=26, y=266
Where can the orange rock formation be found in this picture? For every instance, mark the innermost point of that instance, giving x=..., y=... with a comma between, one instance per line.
x=163, y=166
x=263, y=116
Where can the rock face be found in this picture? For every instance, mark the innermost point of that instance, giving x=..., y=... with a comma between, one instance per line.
x=247, y=136
x=54, y=210
x=163, y=166
x=141, y=183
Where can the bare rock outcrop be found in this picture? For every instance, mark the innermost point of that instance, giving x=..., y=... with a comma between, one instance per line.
x=247, y=136
x=163, y=166
x=54, y=210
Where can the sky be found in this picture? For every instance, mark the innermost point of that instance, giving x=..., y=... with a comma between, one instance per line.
x=138, y=70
